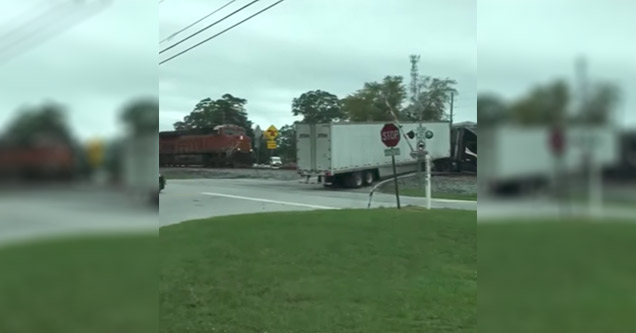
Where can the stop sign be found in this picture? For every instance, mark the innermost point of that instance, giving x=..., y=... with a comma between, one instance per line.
x=390, y=135
x=557, y=140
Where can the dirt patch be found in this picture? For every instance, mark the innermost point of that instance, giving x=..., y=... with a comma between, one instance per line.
x=439, y=184
x=203, y=173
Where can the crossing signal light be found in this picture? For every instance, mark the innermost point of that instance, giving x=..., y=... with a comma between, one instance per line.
x=410, y=134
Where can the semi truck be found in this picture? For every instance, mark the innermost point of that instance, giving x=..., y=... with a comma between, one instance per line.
x=352, y=154
x=519, y=159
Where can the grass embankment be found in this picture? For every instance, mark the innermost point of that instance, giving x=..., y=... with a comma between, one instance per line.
x=410, y=192
x=325, y=271
x=93, y=284
x=572, y=276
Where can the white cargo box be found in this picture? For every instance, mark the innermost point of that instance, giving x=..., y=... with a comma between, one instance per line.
x=335, y=148
x=515, y=152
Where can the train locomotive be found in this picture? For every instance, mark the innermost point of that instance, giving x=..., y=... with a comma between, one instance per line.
x=222, y=146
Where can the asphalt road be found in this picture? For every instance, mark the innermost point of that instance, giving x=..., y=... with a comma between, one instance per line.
x=201, y=198
x=27, y=215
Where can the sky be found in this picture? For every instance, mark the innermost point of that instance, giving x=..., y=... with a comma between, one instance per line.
x=93, y=69
x=523, y=43
x=302, y=45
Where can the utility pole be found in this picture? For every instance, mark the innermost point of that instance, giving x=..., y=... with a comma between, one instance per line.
x=452, y=100
x=415, y=101
x=595, y=184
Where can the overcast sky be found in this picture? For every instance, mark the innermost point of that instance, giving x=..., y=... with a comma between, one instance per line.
x=93, y=69
x=521, y=43
x=303, y=45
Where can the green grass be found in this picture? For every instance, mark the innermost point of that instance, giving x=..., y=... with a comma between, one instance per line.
x=548, y=276
x=98, y=284
x=326, y=271
x=422, y=193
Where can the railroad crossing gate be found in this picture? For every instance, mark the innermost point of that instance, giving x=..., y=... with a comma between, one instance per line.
x=271, y=133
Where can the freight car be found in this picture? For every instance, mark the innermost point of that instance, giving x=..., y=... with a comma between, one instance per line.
x=224, y=145
x=50, y=162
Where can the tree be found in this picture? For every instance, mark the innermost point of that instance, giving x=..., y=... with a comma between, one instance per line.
x=370, y=102
x=544, y=105
x=286, y=142
x=44, y=123
x=433, y=97
x=208, y=113
x=142, y=115
x=491, y=109
x=317, y=106
x=429, y=96
x=601, y=104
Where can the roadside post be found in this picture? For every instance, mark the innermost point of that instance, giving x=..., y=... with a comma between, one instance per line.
x=271, y=133
x=258, y=134
x=422, y=154
x=390, y=136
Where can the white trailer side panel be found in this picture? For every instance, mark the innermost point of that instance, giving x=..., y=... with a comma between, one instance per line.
x=344, y=147
x=511, y=152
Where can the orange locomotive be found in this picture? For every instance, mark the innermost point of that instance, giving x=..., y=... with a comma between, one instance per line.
x=225, y=145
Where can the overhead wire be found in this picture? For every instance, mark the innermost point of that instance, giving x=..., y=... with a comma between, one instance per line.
x=197, y=21
x=220, y=33
x=45, y=26
x=208, y=27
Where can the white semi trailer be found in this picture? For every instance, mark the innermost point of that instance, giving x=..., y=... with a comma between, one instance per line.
x=520, y=157
x=353, y=155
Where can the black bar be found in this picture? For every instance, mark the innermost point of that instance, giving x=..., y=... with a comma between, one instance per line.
x=397, y=193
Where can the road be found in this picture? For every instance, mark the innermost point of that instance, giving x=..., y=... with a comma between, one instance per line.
x=31, y=214
x=201, y=198
x=504, y=210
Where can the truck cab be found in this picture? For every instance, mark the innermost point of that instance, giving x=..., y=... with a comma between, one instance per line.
x=275, y=162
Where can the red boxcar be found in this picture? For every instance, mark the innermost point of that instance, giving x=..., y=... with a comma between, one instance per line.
x=51, y=161
x=226, y=145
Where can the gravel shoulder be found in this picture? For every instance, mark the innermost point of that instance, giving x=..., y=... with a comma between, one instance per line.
x=459, y=185
x=203, y=173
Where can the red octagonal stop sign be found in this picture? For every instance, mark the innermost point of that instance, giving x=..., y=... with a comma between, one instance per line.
x=557, y=141
x=390, y=135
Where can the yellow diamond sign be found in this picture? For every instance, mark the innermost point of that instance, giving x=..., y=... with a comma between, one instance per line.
x=271, y=132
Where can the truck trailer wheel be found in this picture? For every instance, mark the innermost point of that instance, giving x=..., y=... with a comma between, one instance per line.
x=369, y=177
x=354, y=180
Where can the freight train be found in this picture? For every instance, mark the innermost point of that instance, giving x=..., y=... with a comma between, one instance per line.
x=222, y=146
x=44, y=162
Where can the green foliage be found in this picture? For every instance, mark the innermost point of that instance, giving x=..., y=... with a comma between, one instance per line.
x=142, y=115
x=43, y=123
x=317, y=106
x=543, y=105
x=432, y=99
x=491, y=109
x=286, y=142
x=370, y=102
x=208, y=113
x=549, y=103
x=602, y=101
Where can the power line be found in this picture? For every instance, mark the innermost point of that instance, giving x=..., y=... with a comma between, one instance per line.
x=208, y=27
x=220, y=33
x=197, y=21
x=42, y=32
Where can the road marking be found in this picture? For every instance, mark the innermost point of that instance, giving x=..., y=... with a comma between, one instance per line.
x=268, y=201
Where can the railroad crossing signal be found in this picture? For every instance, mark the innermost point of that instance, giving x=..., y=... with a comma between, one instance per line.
x=271, y=144
x=421, y=145
x=271, y=133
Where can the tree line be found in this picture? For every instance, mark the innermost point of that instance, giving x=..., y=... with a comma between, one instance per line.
x=383, y=100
